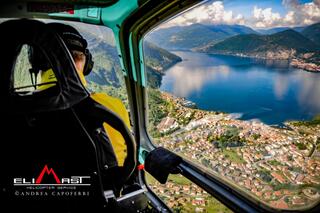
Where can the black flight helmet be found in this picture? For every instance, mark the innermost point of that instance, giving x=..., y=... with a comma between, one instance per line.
x=74, y=41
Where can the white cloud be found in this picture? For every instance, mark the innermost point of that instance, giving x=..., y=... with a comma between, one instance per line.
x=290, y=18
x=265, y=17
x=297, y=15
x=213, y=13
x=302, y=14
x=290, y=3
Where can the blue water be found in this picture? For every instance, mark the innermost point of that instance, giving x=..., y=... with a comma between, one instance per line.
x=270, y=91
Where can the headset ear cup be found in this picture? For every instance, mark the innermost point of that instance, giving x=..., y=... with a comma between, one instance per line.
x=89, y=63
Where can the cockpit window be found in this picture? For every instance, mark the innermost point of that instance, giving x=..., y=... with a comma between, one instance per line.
x=235, y=89
x=26, y=78
x=106, y=75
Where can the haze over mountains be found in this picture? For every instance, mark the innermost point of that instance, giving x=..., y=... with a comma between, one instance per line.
x=199, y=35
x=278, y=29
x=299, y=43
x=195, y=35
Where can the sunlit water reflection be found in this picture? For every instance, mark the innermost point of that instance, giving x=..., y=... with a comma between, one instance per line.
x=270, y=91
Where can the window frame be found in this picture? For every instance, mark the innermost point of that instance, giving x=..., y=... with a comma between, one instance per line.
x=135, y=27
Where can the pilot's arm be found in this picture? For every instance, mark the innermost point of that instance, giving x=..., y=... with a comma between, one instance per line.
x=116, y=106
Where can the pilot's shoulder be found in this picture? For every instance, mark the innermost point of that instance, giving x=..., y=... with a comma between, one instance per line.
x=110, y=102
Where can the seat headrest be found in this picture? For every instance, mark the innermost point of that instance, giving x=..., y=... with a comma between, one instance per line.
x=68, y=90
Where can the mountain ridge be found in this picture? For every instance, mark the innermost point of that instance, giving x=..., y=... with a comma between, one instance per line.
x=252, y=43
x=107, y=71
x=195, y=35
x=285, y=45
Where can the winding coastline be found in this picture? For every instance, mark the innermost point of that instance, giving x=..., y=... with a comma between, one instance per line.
x=232, y=79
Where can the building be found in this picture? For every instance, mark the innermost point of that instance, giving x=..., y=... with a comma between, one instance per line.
x=167, y=124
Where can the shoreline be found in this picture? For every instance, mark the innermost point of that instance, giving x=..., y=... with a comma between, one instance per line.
x=309, y=67
x=183, y=101
x=295, y=62
x=277, y=124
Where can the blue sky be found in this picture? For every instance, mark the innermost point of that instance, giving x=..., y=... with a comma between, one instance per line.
x=254, y=13
x=243, y=5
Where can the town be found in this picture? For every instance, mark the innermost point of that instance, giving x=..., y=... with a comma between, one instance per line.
x=279, y=166
x=181, y=195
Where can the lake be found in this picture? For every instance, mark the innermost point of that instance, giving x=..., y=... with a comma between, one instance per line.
x=268, y=90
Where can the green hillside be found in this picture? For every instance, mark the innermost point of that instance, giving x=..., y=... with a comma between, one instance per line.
x=107, y=74
x=284, y=45
x=157, y=61
x=312, y=32
x=157, y=58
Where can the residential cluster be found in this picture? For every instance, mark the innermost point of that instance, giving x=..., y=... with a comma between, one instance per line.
x=279, y=166
x=178, y=195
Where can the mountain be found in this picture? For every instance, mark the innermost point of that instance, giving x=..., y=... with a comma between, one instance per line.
x=88, y=31
x=107, y=75
x=157, y=58
x=272, y=30
x=298, y=29
x=312, y=32
x=278, y=29
x=282, y=45
x=161, y=36
x=107, y=70
x=234, y=29
x=195, y=35
x=157, y=61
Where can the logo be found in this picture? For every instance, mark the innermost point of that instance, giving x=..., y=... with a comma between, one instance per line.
x=49, y=183
x=46, y=170
x=49, y=173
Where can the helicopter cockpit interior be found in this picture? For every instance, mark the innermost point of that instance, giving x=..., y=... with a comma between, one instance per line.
x=76, y=133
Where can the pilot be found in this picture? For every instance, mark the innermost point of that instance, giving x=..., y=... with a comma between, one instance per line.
x=82, y=57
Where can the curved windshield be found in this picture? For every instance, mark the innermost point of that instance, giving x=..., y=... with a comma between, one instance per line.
x=235, y=89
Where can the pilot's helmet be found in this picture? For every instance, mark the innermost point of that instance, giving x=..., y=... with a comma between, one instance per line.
x=74, y=41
